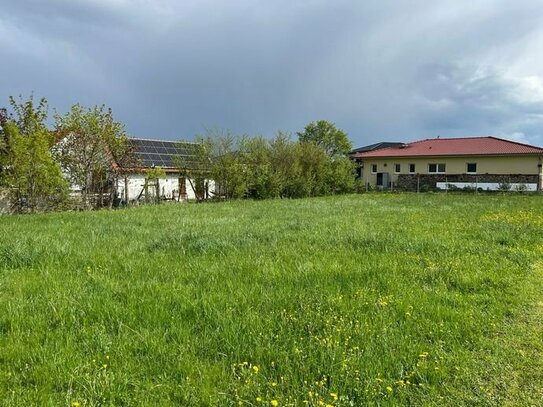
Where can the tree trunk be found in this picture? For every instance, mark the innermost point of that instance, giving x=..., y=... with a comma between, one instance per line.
x=193, y=190
x=126, y=196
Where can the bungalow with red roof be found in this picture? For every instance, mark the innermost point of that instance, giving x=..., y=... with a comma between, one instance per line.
x=489, y=163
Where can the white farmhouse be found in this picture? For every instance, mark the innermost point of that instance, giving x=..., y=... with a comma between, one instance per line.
x=134, y=186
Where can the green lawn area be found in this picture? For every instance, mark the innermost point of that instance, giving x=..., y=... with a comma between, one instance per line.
x=375, y=299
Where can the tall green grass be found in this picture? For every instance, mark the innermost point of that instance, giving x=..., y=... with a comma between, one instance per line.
x=341, y=301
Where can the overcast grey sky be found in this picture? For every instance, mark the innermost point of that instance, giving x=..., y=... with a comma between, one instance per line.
x=380, y=69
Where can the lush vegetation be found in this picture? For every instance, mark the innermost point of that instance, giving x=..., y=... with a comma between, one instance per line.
x=28, y=172
x=87, y=152
x=354, y=300
x=260, y=168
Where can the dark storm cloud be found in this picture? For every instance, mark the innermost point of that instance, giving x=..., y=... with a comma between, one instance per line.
x=379, y=69
x=461, y=99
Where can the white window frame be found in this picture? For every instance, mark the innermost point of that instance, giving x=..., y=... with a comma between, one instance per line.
x=414, y=166
x=396, y=170
x=372, y=169
x=471, y=172
x=437, y=168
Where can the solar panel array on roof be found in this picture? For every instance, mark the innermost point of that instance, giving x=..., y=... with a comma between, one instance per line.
x=376, y=146
x=157, y=153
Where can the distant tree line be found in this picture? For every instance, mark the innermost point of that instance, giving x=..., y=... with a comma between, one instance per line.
x=78, y=163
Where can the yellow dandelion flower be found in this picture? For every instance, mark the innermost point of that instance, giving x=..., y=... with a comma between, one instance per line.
x=334, y=395
x=259, y=399
x=256, y=369
x=389, y=389
x=274, y=403
x=75, y=404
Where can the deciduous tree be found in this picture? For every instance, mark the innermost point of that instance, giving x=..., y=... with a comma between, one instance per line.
x=32, y=178
x=92, y=144
x=195, y=165
x=324, y=134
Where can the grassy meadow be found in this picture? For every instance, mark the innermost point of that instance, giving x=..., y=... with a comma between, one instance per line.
x=375, y=299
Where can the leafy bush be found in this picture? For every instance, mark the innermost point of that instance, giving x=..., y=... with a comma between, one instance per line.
x=521, y=188
x=33, y=181
x=259, y=168
x=452, y=187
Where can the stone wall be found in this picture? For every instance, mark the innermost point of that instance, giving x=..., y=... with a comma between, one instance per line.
x=408, y=182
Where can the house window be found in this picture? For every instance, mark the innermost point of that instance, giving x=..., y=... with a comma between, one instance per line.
x=411, y=168
x=374, y=168
x=472, y=168
x=397, y=168
x=436, y=168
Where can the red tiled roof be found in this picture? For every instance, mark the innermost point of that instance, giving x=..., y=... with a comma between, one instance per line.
x=454, y=146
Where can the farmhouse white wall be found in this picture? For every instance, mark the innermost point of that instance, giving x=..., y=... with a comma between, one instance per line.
x=487, y=186
x=169, y=187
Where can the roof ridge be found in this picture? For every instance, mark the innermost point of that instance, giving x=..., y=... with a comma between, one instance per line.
x=418, y=141
x=162, y=141
x=453, y=138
